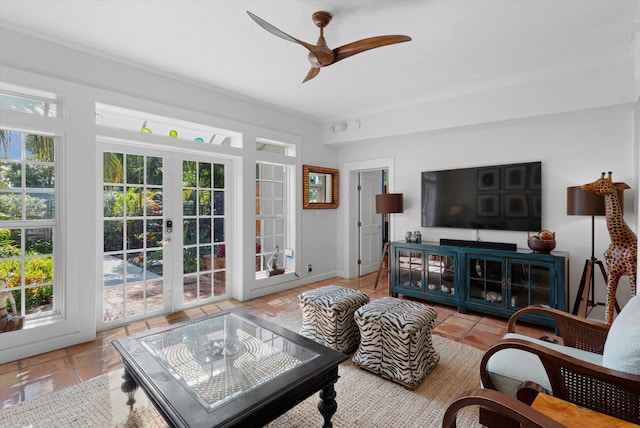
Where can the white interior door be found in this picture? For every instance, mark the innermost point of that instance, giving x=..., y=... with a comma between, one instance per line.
x=164, y=232
x=370, y=229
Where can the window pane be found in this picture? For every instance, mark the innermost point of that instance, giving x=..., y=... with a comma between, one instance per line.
x=11, y=174
x=39, y=241
x=154, y=233
x=113, y=167
x=218, y=227
x=135, y=262
x=134, y=201
x=218, y=176
x=135, y=169
x=278, y=172
x=11, y=147
x=189, y=260
x=266, y=190
x=39, y=270
x=113, y=235
x=154, y=264
x=188, y=174
x=205, y=231
x=11, y=206
x=154, y=201
x=154, y=171
x=204, y=175
x=204, y=202
x=39, y=148
x=40, y=206
x=40, y=176
x=218, y=203
x=26, y=104
x=189, y=232
x=188, y=202
x=278, y=190
x=113, y=198
x=135, y=234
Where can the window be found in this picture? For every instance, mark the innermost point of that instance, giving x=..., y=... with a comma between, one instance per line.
x=149, y=123
x=273, y=219
x=25, y=100
x=28, y=219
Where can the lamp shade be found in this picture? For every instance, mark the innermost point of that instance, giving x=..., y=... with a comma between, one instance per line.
x=389, y=203
x=584, y=202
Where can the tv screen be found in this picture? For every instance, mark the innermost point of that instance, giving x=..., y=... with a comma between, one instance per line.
x=501, y=197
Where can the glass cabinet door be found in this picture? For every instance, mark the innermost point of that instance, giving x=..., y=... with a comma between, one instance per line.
x=409, y=268
x=486, y=281
x=530, y=284
x=439, y=273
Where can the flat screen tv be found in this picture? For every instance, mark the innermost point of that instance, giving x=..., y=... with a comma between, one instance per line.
x=500, y=197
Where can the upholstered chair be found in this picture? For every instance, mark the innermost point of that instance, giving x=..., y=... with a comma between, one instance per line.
x=596, y=366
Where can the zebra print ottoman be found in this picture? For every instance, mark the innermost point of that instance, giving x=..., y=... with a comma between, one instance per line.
x=327, y=316
x=396, y=340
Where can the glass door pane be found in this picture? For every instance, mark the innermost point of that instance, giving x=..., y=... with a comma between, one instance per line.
x=204, y=248
x=133, y=260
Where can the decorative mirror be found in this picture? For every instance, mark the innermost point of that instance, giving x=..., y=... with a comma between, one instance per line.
x=319, y=187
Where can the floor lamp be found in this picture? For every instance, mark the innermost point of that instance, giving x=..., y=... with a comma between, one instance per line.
x=581, y=202
x=387, y=203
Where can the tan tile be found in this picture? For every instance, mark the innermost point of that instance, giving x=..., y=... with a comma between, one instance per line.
x=477, y=345
x=194, y=313
x=481, y=337
x=468, y=316
x=10, y=379
x=136, y=327
x=8, y=367
x=451, y=330
x=94, y=356
x=460, y=322
x=45, y=369
x=491, y=329
x=107, y=365
x=38, y=359
x=50, y=383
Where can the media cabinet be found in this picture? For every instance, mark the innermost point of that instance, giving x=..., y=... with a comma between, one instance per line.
x=488, y=280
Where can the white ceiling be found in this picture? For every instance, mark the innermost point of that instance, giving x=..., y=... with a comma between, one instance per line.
x=458, y=46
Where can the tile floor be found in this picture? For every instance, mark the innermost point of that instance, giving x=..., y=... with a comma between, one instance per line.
x=32, y=377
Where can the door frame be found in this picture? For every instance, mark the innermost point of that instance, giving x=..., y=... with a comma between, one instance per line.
x=173, y=159
x=348, y=239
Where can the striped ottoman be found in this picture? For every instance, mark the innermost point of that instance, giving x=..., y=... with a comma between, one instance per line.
x=396, y=340
x=327, y=316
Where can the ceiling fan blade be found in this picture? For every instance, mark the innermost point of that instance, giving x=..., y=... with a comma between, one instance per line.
x=351, y=49
x=276, y=32
x=312, y=73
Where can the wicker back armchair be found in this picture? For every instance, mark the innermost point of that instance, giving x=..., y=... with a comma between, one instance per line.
x=573, y=378
x=509, y=407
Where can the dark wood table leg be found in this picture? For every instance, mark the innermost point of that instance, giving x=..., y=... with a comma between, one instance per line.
x=129, y=387
x=327, y=405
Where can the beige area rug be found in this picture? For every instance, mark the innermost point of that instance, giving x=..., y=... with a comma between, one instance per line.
x=364, y=400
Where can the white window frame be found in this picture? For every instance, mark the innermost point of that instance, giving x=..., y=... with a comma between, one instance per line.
x=57, y=312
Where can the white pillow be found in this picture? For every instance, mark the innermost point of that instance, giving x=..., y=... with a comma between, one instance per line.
x=622, y=348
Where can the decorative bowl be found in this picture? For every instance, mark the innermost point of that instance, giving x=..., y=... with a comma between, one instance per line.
x=542, y=246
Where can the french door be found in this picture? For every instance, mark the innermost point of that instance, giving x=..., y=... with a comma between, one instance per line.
x=164, y=223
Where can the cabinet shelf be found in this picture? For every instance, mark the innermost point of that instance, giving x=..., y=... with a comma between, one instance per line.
x=496, y=282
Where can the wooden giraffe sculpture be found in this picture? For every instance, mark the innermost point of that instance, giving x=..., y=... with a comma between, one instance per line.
x=622, y=254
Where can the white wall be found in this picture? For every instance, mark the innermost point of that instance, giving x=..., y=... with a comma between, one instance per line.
x=573, y=147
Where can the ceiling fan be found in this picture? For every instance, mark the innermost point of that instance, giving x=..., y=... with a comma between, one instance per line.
x=320, y=55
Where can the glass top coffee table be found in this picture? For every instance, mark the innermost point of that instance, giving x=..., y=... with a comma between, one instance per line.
x=228, y=369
